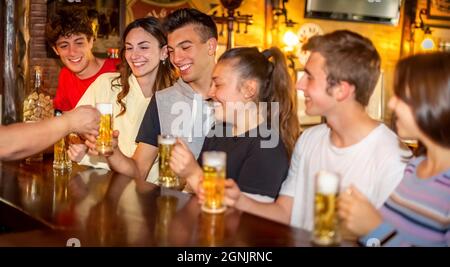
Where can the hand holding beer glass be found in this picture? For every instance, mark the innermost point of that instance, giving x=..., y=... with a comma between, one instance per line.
x=214, y=173
x=167, y=177
x=105, y=132
x=326, y=224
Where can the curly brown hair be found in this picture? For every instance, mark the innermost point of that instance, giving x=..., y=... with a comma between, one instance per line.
x=66, y=22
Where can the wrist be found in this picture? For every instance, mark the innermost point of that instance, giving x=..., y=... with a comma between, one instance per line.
x=188, y=189
x=197, y=171
x=68, y=125
x=192, y=170
x=372, y=225
x=193, y=181
x=241, y=202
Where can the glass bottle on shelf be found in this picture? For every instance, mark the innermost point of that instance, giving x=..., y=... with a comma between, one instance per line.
x=61, y=159
x=37, y=106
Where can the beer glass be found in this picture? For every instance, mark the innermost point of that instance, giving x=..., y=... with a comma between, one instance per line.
x=167, y=177
x=61, y=159
x=326, y=225
x=104, y=138
x=214, y=172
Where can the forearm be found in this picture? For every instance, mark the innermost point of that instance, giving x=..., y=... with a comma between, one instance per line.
x=123, y=164
x=23, y=139
x=273, y=211
x=193, y=179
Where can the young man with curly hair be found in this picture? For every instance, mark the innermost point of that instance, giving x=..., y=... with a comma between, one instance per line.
x=71, y=36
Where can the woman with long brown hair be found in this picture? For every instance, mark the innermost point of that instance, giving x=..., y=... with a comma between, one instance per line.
x=145, y=69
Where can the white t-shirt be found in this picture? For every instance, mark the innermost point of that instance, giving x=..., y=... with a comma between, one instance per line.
x=374, y=165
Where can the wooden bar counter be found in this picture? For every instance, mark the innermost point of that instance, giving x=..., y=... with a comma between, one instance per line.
x=43, y=207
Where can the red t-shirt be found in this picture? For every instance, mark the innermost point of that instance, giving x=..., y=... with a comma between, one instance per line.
x=71, y=88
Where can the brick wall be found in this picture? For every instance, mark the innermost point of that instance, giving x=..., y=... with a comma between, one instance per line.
x=38, y=52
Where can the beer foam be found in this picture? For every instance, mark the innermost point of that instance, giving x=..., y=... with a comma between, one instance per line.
x=104, y=108
x=166, y=140
x=327, y=183
x=213, y=162
x=214, y=159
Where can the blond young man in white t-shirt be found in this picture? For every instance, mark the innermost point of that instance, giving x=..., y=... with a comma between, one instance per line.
x=339, y=79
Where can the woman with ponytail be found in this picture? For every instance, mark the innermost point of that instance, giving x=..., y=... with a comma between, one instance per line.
x=256, y=122
x=144, y=70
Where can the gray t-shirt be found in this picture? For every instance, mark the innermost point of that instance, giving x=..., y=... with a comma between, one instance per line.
x=179, y=111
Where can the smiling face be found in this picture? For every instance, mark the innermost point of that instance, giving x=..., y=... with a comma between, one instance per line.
x=75, y=52
x=193, y=57
x=314, y=86
x=225, y=91
x=143, y=52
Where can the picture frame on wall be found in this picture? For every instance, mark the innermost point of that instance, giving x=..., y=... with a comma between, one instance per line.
x=155, y=8
x=438, y=9
x=108, y=18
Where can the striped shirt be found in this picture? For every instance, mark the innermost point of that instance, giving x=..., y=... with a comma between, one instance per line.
x=417, y=213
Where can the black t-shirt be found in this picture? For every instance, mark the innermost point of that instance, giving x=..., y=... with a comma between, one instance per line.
x=150, y=126
x=256, y=170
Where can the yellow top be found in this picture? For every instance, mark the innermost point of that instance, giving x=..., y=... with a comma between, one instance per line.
x=128, y=123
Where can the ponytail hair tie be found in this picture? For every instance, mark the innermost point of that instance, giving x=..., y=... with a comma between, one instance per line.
x=267, y=53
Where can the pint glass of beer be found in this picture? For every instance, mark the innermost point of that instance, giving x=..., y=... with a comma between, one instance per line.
x=104, y=138
x=326, y=225
x=214, y=172
x=167, y=177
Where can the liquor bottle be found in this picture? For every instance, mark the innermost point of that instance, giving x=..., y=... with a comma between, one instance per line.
x=61, y=159
x=37, y=106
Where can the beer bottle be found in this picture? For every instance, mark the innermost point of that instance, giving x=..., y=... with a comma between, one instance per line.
x=37, y=106
x=61, y=159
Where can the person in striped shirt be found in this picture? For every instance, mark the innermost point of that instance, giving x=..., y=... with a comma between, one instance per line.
x=418, y=212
